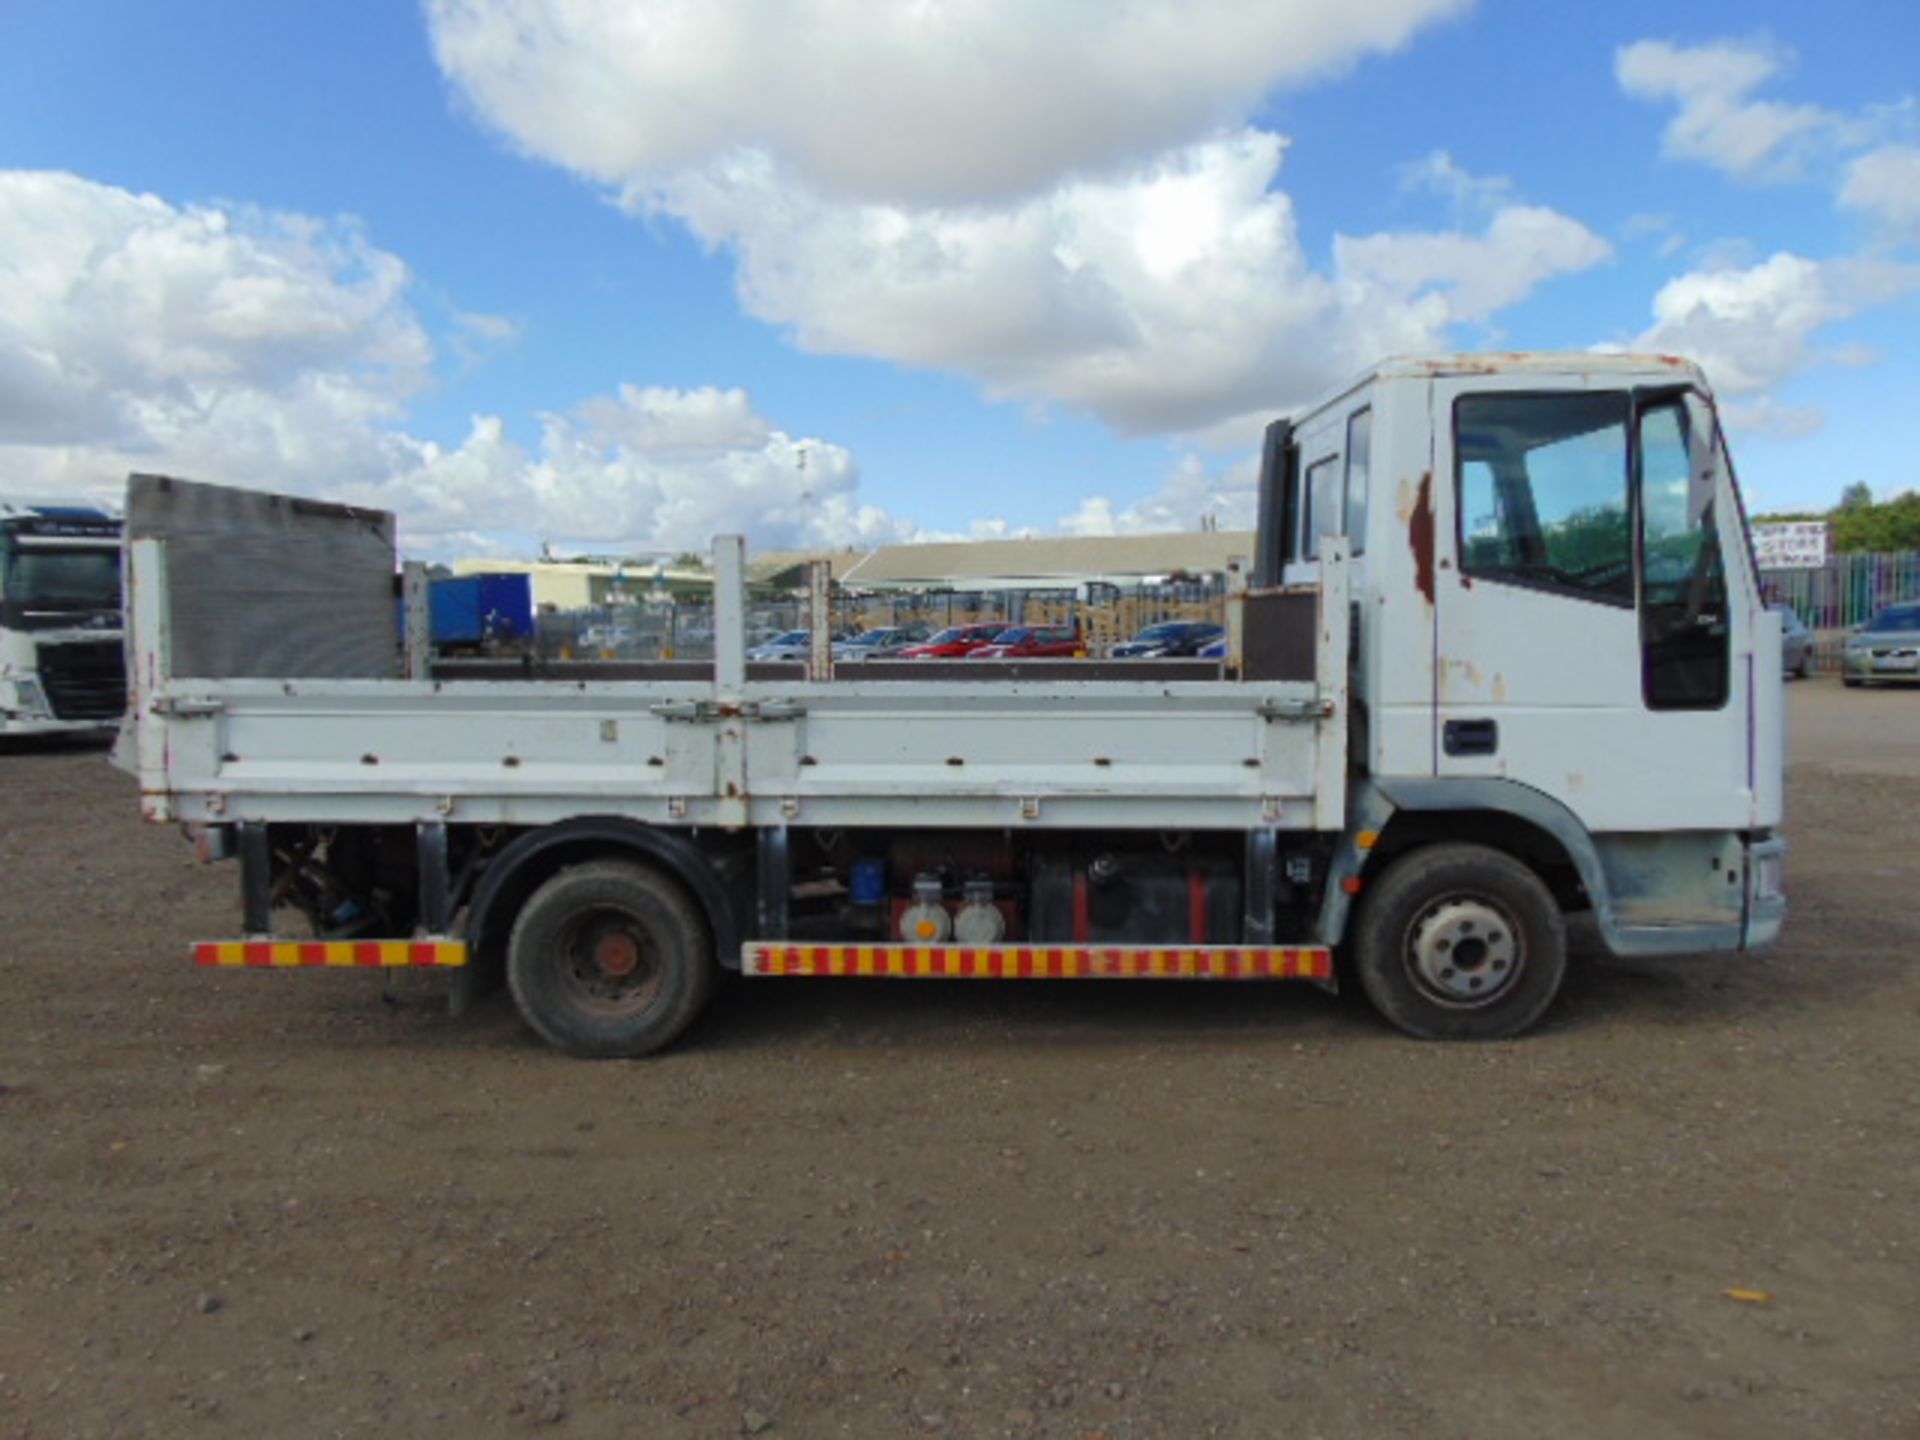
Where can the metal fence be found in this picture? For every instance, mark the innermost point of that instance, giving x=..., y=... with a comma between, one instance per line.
x=1846, y=590
x=1105, y=614
x=1843, y=593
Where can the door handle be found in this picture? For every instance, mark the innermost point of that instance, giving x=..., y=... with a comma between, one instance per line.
x=1470, y=737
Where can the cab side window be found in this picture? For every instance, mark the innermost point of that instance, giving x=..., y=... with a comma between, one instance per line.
x=1683, y=584
x=1541, y=486
x=1322, y=515
x=1359, y=452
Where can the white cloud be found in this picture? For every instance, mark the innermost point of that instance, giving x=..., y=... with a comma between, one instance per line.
x=1719, y=123
x=1756, y=325
x=475, y=337
x=925, y=104
x=280, y=352
x=131, y=322
x=1755, y=328
x=1193, y=493
x=1768, y=415
x=1050, y=200
x=1473, y=276
x=647, y=469
x=1472, y=195
x=1884, y=185
x=1162, y=302
x=1175, y=299
x=1646, y=226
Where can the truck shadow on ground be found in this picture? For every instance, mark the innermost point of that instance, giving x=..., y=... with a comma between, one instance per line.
x=29, y=745
x=751, y=1014
x=1799, y=976
x=1601, y=993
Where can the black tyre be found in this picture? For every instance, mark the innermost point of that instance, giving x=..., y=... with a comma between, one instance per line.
x=610, y=960
x=1805, y=671
x=1459, y=942
x=1852, y=682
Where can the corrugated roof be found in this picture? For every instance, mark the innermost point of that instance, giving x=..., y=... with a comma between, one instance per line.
x=636, y=573
x=1065, y=559
x=958, y=565
x=768, y=564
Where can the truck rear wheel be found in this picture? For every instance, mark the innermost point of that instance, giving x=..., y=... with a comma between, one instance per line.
x=610, y=960
x=1460, y=942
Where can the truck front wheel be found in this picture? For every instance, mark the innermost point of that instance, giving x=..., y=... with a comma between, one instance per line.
x=610, y=960
x=1459, y=942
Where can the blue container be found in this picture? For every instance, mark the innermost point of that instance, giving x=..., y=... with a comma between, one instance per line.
x=474, y=610
x=454, y=607
x=506, y=606
x=869, y=885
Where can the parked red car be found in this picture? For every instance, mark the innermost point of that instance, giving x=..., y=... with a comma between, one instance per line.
x=1032, y=641
x=956, y=641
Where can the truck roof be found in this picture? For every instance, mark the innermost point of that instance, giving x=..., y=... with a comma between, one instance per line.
x=54, y=507
x=1598, y=363
x=1488, y=362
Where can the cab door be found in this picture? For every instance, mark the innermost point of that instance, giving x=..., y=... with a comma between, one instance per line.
x=1584, y=643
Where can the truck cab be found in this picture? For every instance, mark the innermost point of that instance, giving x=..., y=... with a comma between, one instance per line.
x=62, y=668
x=1558, y=625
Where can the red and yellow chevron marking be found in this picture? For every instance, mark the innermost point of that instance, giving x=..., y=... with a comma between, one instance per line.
x=1041, y=962
x=312, y=954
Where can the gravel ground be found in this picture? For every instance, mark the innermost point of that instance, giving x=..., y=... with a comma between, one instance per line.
x=245, y=1203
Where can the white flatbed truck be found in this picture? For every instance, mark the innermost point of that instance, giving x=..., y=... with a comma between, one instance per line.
x=1501, y=657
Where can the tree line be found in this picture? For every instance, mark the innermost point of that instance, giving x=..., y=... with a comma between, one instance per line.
x=1861, y=524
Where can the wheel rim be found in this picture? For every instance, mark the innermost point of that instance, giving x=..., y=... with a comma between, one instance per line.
x=1464, y=951
x=609, y=963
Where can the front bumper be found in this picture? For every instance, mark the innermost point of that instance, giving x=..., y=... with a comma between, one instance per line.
x=14, y=724
x=24, y=710
x=1766, y=892
x=1865, y=665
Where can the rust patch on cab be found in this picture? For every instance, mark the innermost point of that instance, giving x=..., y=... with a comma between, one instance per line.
x=1420, y=537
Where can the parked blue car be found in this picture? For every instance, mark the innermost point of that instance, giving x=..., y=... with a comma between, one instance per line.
x=1172, y=637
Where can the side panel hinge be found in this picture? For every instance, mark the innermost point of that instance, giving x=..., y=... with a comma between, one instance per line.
x=709, y=711
x=1317, y=707
x=185, y=707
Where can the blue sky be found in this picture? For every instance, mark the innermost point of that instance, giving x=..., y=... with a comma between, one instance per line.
x=590, y=271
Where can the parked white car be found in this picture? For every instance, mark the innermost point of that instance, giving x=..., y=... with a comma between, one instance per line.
x=1887, y=647
x=792, y=645
x=880, y=644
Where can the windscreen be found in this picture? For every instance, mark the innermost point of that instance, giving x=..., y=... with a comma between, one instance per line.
x=49, y=578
